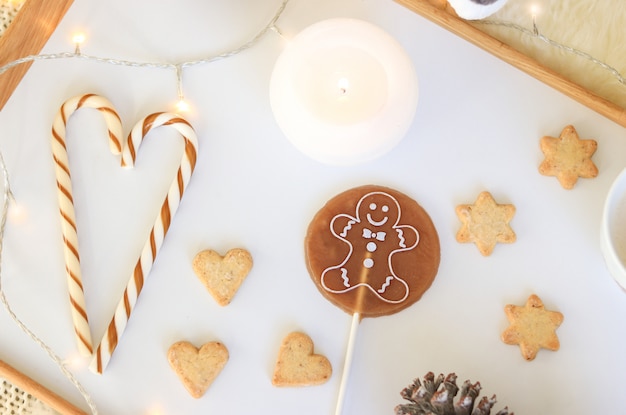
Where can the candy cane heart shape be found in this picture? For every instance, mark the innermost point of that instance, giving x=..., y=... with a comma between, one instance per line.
x=66, y=203
x=157, y=234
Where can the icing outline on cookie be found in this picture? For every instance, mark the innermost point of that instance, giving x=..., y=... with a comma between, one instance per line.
x=376, y=237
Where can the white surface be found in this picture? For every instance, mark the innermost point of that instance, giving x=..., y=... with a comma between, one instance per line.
x=477, y=127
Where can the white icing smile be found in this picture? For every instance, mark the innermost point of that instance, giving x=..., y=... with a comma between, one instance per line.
x=376, y=223
x=374, y=207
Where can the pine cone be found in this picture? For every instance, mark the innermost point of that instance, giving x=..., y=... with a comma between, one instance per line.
x=435, y=396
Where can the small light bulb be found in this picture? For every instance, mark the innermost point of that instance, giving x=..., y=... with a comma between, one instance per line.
x=17, y=214
x=78, y=40
x=182, y=105
x=534, y=9
x=74, y=362
x=155, y=410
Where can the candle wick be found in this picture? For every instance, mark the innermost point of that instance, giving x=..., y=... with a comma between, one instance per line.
x=343, y=84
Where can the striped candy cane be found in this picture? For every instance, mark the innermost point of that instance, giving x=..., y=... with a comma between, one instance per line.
x=66, y=204
x=157, y=234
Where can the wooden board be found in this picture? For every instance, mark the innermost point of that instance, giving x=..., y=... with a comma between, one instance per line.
x=439, y=12
x=27, y=35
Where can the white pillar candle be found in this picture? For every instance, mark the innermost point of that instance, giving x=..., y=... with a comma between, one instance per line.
x=344, y=91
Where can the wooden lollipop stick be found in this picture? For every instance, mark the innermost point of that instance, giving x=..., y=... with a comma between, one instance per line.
x=27, y=384
x=367, y=227
x=347, y=365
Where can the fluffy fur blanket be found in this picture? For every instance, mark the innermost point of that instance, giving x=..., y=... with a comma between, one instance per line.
x=595, y=27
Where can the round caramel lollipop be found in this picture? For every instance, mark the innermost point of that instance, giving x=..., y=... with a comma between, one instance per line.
x=371, y=251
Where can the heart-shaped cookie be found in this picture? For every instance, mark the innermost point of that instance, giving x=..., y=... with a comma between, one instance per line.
x=197, y=368
x=222, y=275
x=297, y=365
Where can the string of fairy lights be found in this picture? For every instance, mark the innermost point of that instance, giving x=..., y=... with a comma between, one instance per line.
x=181, y=106
x=178, y=69
x=7, y=197
x=536, y=34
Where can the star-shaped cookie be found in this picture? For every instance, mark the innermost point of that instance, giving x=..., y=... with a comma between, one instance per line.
x=568, y=157
x=485, y=223
x=532, y=327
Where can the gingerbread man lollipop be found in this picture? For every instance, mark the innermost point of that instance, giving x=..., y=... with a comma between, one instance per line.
x=373, y=236
x=372, y=251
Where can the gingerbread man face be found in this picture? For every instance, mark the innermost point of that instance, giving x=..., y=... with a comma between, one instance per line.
x=378, y=209
x=364, y=250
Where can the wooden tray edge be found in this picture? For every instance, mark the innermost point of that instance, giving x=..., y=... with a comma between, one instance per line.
x=25, y=36
x=510, y=55
x=28, y=385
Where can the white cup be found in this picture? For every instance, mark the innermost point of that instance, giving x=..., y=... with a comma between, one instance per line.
x=613, y=230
